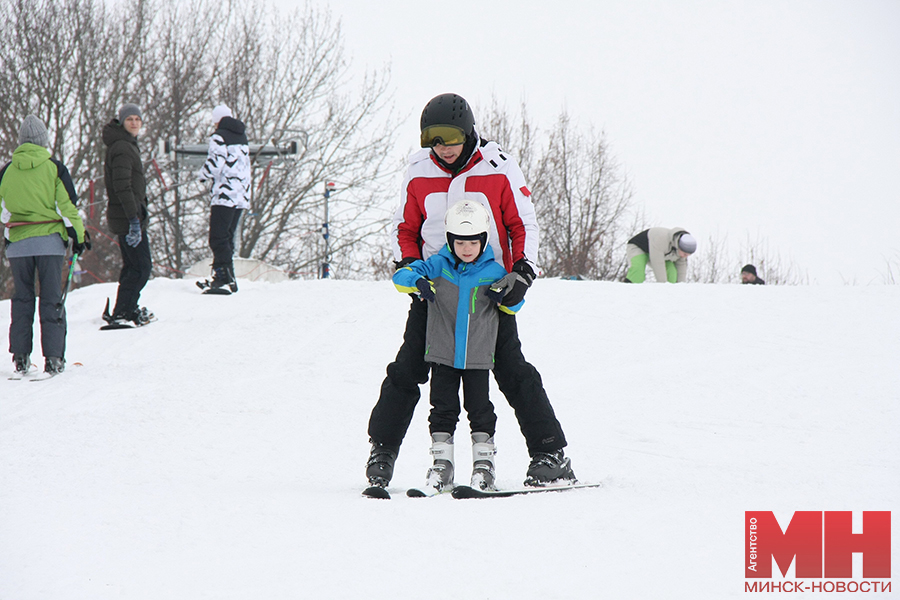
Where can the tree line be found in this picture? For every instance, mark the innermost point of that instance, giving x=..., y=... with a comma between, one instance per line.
x=72, y=63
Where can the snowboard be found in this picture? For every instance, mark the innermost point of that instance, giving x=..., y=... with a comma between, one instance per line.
x=120, y=324
x=216, y=291
x=110, y=326
x=376, y=491
x=462, y=492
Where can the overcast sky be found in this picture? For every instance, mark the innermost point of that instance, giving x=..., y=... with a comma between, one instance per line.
x=777, y=120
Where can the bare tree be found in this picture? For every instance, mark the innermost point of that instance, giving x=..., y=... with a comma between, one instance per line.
x=69, y=62
x=583, y=202
x=716, y=262
x=178, y=64
x=582, y=199
x=288, y=79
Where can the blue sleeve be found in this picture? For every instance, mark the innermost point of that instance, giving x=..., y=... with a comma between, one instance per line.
x=405, y=278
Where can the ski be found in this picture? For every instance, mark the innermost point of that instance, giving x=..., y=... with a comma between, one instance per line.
x=462, y=492
x=43, y=377
x=35, y=375
x=376, y=491
x=428, y=492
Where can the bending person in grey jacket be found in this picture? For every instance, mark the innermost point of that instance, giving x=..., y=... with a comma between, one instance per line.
x=665, y=250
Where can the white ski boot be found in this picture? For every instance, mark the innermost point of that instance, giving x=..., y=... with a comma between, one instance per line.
x=483, y=467
x=440, y=475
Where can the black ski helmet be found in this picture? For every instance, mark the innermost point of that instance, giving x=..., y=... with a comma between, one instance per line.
x=448, y=109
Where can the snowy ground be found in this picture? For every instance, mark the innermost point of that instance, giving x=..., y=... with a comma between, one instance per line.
x=219, y=453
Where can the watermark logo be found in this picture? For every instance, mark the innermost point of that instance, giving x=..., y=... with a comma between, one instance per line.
x=820, y=545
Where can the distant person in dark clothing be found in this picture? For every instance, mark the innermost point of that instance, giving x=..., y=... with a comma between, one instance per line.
x=127, y=212
x=748, y=275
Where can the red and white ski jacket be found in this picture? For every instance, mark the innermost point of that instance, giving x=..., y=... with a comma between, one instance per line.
x=491, y=177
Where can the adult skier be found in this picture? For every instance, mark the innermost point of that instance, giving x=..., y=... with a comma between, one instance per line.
x=665, y=250
x=455, y=163
x=227, y=166
x=40, y=214
x=127, y=213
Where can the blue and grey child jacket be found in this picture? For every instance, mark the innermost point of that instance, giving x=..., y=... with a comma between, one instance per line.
x=462, y=320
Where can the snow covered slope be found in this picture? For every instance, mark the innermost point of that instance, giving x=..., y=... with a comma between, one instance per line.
x=219, y=453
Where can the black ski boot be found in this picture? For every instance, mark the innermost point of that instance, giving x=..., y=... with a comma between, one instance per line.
x=23, y=363
x=220, y=279
x=380, y=467
x=222, y=282
x=549, y=467
x=142, y=316
x=54, y=365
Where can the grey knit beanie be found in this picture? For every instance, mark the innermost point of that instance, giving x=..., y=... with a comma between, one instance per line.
x=687, y=243
x=127, y=110
x=33, y=131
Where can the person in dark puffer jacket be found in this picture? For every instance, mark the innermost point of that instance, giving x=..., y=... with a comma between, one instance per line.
x=127, y=213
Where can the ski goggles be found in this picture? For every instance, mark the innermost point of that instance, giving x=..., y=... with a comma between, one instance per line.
x=445, y=135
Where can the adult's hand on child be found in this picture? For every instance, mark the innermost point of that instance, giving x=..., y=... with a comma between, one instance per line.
x=524, y=276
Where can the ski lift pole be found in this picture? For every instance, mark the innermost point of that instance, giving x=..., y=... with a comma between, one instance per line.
x=326, y=267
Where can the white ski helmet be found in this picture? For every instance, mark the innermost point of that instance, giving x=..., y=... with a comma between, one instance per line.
x=467, y=220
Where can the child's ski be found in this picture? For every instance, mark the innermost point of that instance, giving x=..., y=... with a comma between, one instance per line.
x=464, y=492
x=429, y=492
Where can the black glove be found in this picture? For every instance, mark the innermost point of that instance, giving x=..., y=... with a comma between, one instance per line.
x=495, y=295
x=524, y=278
x=83, y=247
x=426, y=289
x=399, y=264
x=76, y=247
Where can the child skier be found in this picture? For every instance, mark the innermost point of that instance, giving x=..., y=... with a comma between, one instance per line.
x=465, y=286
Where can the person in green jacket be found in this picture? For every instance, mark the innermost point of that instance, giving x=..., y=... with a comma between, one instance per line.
x=40, y=218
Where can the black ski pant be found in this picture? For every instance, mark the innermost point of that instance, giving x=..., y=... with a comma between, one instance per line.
x=223, y=222
x=53, y=316
x=444, y=413
x=519, y=381
x=136, y=268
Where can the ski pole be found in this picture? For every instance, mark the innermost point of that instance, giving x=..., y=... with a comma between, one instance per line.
x=62, y=301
